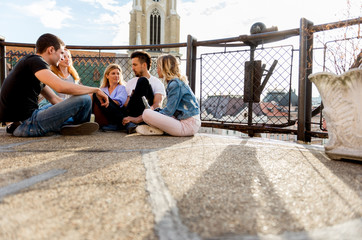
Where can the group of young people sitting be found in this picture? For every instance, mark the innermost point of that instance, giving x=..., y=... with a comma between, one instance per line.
x=135, y=106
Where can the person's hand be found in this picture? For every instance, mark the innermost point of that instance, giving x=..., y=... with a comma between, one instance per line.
x=126, y=120
x=136, y=120
x=103, y=98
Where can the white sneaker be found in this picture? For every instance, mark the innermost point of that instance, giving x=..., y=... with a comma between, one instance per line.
x=148, y=130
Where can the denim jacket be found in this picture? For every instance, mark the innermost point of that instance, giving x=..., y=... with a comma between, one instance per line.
x=181, y=101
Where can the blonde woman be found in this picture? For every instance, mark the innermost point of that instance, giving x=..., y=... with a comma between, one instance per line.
x=66, y=71
x=113, y=85
x=181, y=116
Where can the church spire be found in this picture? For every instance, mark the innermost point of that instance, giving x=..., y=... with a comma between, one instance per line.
x=154, y=22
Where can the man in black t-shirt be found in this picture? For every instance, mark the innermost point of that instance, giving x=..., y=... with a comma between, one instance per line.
x=30, y=77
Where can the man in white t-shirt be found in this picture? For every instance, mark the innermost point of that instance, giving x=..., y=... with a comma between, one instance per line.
x=144, y=84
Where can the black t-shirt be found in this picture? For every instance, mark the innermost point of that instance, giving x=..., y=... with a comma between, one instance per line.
x=20, y=90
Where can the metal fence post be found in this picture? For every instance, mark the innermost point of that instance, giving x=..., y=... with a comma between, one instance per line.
x=305, y=86
x=2, y=60
x=191, y=62
x=250, y=104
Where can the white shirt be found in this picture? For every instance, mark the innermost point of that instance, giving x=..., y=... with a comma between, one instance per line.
x=156, y=84
x=68, y=79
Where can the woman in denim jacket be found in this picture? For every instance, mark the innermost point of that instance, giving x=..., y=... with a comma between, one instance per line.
x=181, y=116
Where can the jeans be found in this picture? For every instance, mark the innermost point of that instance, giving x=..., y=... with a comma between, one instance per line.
x=51, y=118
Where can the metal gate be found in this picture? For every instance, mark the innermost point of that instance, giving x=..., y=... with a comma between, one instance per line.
x=230, y=95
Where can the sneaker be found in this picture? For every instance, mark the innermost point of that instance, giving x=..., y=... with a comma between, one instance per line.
x=148, y=130
x=11, y=127
x=131, y=127
x=80, y=129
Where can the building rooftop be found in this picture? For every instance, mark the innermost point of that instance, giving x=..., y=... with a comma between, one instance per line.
x=110, y=185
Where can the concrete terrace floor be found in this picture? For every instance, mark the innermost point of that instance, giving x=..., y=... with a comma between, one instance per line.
x=110, y=185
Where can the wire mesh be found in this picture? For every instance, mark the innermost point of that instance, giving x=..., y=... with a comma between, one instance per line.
x=223, y=84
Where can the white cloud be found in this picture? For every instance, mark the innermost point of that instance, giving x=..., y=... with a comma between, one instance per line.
x=106, y=4
x=114, y=13
x=210, y=19
x=49, y=14
x=109, y=5
x=121, y=32
x=116, y=17
x=107, y=19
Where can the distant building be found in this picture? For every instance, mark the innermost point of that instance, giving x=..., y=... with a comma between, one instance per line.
x=281, y=98
x=226, y=107
x=271, y=109
x=223, y=105
x=230, y=108
x=154, y=22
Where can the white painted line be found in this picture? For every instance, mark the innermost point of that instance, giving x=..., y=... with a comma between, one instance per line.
x=11, y=145
x=164, y=207
x=16, y=187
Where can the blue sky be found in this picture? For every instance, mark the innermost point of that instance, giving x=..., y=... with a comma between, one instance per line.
x=105, y=22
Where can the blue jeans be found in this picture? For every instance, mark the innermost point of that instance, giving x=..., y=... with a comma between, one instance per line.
x=50, y=118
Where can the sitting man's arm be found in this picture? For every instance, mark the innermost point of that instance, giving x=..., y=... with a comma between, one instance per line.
x=49, y=78
x=49, y=95
x=157, y=101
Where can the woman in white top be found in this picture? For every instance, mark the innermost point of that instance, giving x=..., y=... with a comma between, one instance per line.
x=66, y=71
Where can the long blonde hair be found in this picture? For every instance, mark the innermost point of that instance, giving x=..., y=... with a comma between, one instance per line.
x=111, y=67
x=169, y=67
x=71, y=69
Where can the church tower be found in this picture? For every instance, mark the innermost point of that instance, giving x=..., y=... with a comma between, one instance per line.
x=154, y=22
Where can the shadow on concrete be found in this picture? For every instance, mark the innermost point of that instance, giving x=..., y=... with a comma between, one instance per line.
x=235, y=197
x=347, y=171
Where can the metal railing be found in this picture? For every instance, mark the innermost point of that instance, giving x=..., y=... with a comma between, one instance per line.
x=244, y=85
